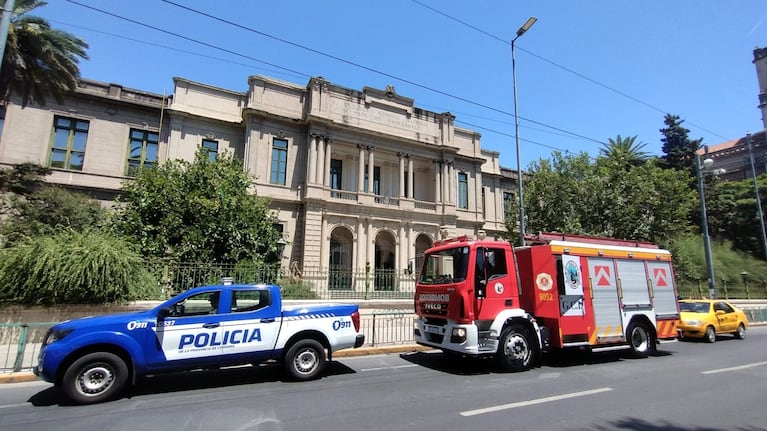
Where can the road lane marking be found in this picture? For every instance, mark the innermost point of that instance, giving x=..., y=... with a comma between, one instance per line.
x=533, y=402
x=389, y=368
x=740, y=367
x=8, y=406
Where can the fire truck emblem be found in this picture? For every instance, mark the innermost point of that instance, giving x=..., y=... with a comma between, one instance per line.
x=498, y=288
x=572, y=275
x=543, y=281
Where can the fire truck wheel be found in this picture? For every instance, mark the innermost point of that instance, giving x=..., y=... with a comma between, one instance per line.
x=516, y=350
x=641, y=340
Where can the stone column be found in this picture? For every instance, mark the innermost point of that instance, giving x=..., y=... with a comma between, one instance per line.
x=445, y=182
x=324, y=243
x=320, y=174
x=371, y=168
x=312, y=160
x=437, y=182
x=402, y=190
x=410, y=178
x=360, y=248
x=361, y=170
x=328, y=148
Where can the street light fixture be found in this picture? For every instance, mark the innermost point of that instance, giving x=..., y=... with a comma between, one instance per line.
x=701, y=168
x=522, y=30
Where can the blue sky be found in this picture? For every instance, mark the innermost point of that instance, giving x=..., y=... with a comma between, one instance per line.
x=586, y=71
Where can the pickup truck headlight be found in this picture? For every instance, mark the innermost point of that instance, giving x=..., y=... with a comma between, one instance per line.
x=55, y=335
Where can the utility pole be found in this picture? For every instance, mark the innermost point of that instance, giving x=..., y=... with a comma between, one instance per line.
x=5, y=22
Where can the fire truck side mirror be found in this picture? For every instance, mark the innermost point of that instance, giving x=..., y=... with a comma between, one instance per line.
x=480, y=291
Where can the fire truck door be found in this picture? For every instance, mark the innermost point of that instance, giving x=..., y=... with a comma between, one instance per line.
x=633, y=278
x=604, y=291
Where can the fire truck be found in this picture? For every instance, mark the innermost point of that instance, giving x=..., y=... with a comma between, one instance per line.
x=477, y=297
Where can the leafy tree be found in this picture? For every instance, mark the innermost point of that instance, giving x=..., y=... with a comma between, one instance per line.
x=39, y=60
x=200, y=211
x=48, y=210
x=678, y=148
x=572, y=194
x=23, y=178
x=733, y=215
x=88, y=267
x=623, y=152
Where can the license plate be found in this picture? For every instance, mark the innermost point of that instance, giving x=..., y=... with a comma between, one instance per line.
x=432, y=329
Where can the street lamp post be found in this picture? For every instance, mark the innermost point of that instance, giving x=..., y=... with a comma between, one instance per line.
x=522, y=30
x=704, y=222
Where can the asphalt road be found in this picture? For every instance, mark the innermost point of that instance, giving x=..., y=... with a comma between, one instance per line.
x=687, y=386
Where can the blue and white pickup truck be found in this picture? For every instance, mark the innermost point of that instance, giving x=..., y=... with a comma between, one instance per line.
x=94, y=358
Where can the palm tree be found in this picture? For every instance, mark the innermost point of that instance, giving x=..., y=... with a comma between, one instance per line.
x=625, y=152
x=39, y=61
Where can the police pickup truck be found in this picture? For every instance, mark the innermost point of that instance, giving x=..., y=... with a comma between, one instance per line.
x=94, y=358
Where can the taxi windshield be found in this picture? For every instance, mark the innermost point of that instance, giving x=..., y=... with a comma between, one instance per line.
x=445, y=266
x=694, y=307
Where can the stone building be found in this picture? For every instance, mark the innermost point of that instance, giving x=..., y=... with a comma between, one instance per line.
x=354, y=177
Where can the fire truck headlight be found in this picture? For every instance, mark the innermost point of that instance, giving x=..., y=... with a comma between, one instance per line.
x=458, y=335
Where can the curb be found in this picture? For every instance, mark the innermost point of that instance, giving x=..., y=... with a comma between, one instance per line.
x=28, y=376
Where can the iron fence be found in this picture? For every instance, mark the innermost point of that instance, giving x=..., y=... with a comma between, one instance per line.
x=296, y=283
x=20, y=343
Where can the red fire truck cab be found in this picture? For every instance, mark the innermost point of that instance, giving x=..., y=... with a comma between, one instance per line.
x=485, y=298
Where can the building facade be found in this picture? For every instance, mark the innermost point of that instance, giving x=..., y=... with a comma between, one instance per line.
x=355, y=178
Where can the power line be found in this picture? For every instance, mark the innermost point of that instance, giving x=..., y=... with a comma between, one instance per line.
x=209, y=45
x=565, y=68
x=170, y=48
x=370, y=69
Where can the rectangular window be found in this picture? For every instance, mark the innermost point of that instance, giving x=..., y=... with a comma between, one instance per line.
x=376, y=179
x=405, y=185
x=279, y=161
x=463, y=190
x=69, y=138
x=508, y=205
x=142, y=150
x=336, y=171
x=2, y=119
x=483, y=203
x=212, y=147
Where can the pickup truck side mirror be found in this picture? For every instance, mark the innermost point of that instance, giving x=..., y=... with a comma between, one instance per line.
x=163, y=313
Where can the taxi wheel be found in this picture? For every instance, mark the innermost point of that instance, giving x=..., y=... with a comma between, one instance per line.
x=305, y=359
x=710, y=335
x=95, y=377
x=741, y=332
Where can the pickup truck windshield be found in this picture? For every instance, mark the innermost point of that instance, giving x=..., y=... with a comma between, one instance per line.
x=445, y=266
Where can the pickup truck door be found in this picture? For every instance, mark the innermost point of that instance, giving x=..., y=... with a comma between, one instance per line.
x=251, y=325
x=190, y=334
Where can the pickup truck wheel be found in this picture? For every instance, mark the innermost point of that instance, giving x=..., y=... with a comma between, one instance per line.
x=516, y=349
x=95, y=377
x=305, y=359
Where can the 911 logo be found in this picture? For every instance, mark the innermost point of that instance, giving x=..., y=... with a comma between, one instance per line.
x=340, y=324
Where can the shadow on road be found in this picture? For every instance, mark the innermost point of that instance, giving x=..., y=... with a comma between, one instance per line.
x=636, y=424
x=455, y=364
x=197, y=379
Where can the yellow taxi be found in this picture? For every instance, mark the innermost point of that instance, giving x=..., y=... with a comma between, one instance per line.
x=707, y=318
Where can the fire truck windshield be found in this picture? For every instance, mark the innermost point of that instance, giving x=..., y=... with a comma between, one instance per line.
x=445, y=266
